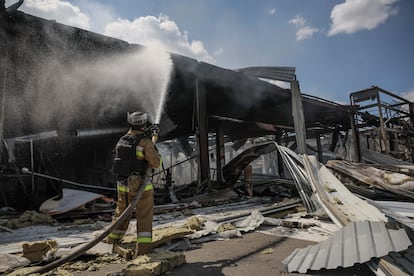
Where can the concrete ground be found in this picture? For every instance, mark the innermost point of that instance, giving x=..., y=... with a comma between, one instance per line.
x=242, y=256
x=245, y=256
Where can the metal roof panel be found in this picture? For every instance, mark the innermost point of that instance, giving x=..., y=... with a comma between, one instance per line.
x=357, y=242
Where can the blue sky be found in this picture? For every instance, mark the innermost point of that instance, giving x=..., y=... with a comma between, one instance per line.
x=336, y=46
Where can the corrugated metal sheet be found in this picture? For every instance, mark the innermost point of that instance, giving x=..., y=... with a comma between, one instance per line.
x=402, y=208
x=273, y=73
x=401, y=264
x=295, y=166
x=369, y=175
x=339, y=203
x=357, y=242
x=402, y=260
x=379, y=158
x=343, y=207
x=402, y=212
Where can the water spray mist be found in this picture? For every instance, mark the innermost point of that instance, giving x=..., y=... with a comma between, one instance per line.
x=87, y=93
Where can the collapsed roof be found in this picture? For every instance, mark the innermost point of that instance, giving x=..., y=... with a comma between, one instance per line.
x=37, y=53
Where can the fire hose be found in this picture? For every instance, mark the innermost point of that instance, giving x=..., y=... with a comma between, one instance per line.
x=126, y=214
x=78, y=252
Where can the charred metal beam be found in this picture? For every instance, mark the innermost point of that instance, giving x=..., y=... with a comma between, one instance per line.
x=220, y=153
x=355, y=134
x=298, y=117
x=233, y=169
x=274, y=72
x=12, y=8
x=202, y=132
x=319, y=146
x=392, y=94
x=27, y=171
x=409, y=138
x=383, y=132
x=411, y=106
x=278, y=139
x=4, y=66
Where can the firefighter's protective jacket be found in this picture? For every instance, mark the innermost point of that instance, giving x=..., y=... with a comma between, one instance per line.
x=127, y=189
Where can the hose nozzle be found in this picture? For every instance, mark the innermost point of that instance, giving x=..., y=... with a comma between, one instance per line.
x=154, y=137
x=155, y=129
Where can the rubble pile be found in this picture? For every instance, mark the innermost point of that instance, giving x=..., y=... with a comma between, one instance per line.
x=29, y=218
x=180, y=227
x=154, y=264
x=90, y=263
x=37, y=251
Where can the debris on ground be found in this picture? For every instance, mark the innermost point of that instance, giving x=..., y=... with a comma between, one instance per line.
x=71, y=199
x=38, y=251
x=268, y=251
x=83, y=221
x=250, y=223
x=356, y=242
x=22, y=271
x=154, y=264
x=88, y=263
x=161, y=235
x=124, y=252
x=5, y=229
x=216, y=222
x=9, y=261
x=29, y=218
x=398, y=183
x=225, y=227
x=195, y=223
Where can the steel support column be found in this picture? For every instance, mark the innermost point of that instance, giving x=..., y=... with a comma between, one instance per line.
x=4, y=62
x=298, y=117
x=409, y=137
x=202, y=133
x=278, y=138
x=220, y=153
x=382, y=126
x=319, y=146
x=355, y=134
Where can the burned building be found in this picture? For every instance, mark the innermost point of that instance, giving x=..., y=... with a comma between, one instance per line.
x=62, y=110
x=65, y=94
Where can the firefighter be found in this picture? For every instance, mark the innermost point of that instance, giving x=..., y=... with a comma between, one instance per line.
x=248, y=179
x=134, y=153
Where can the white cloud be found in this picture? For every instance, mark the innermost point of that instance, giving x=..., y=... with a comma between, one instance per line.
x=99, y=14
x=101, y=18
x=408, y=95
x=271, y=11
x=356, y=15
x=61, y=11
x=303, y=31
x=150, y=30
x=218, y=52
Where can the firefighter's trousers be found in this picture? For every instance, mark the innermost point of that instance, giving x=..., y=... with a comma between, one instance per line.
x=127, y=190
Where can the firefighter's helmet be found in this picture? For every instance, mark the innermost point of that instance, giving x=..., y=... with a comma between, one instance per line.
x=137, y=119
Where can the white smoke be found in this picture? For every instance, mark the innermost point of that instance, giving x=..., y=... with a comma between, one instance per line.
x=92, y=91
